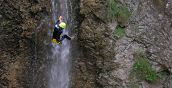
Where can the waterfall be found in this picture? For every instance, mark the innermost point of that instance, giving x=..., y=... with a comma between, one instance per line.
x=59, y=70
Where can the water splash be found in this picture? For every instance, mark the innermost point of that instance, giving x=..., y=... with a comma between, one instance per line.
x=59, y=72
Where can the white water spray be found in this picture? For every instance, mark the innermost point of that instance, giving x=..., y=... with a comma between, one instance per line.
x=59, y=72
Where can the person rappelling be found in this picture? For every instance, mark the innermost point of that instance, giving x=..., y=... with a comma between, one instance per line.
x=58, y=35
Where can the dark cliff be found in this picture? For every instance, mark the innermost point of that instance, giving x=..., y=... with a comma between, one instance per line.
x=21, y=63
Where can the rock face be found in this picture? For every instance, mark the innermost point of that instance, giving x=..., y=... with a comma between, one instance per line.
x=106, y=62
x=101, y=60
x=97, y=45
x=21, y=59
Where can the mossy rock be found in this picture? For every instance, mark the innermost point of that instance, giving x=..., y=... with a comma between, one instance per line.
x=123, y=15
x=119, y=32
x=111, y=9
x=5, y=24
x=117, y=11
x=143, y=69
x=160, y=4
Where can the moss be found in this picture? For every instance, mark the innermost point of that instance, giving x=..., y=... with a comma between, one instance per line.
x=123, y=15
x=111, y=9
x=119, y=32
x=4, y=23
x=115, y=10
x=160, y=4
x=143, y=69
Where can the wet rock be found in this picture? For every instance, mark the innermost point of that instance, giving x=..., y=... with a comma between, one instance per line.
x=19, y=64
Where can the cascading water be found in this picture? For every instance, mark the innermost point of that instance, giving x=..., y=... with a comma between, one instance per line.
x=59, y=72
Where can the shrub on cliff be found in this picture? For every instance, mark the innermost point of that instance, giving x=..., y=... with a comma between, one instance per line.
x=143, y=69
x=117, y=11
x=119, y=32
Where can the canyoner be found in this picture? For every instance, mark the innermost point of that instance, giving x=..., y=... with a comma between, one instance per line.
x=58, y=35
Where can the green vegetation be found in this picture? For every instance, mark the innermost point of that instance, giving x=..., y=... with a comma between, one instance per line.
x=115, y=10
x=111, y=9
x=120, y=13
x=143, y=69
x=119, y=32
x=123, y=14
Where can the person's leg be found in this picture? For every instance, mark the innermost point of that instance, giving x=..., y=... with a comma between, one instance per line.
x=65, y=36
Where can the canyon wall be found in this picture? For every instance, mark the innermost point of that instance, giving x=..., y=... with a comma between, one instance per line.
x=106, y=61
x=21, y=47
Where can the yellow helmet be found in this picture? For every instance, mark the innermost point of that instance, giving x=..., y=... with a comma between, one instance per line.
x=62, y=25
